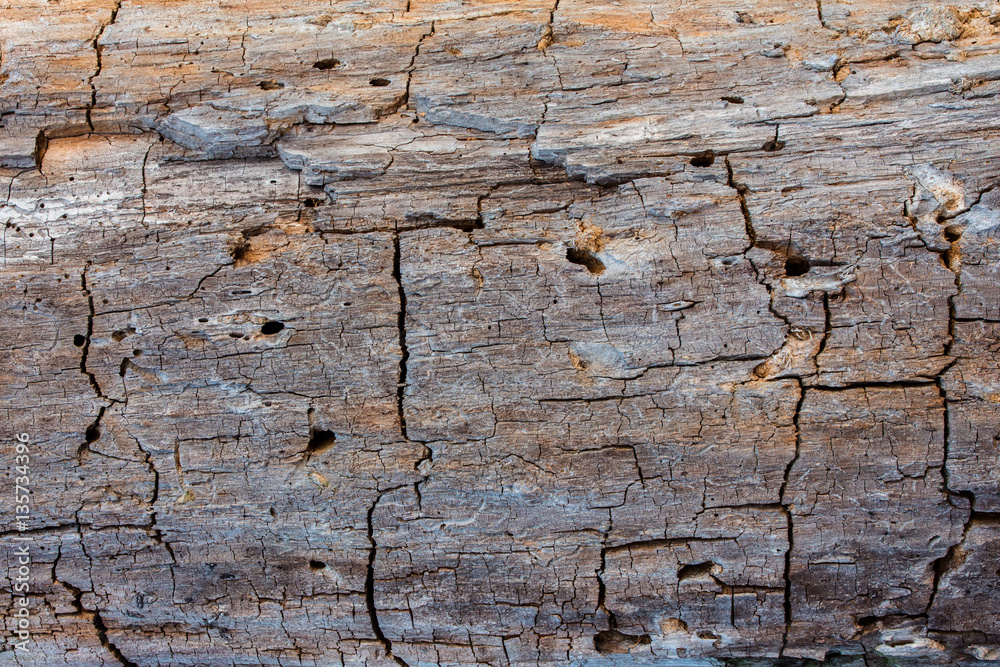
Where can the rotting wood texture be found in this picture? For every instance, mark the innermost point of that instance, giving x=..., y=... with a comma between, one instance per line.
x=503, y=333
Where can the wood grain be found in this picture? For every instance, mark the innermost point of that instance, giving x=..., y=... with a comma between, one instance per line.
x=503, y=333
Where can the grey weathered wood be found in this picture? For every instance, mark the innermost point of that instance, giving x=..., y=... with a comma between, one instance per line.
x=443, y=333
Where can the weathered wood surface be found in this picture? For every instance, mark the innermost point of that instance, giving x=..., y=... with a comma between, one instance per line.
x=503, y=333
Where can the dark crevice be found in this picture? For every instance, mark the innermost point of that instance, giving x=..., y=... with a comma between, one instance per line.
x=93, y=431
x=271, y=327
x=95, y=615
x=239, y=252
x=819, y=14
x=753, y=242
x=326, y=63
x=773, y=145
x=695, y=571
x=41, y=145
x=425, y=221
x=404, y=102
x=479, y=223
x=848, y=386
x=976, y=319
x=90, y=332
x=961, y=500
x=704, y=159
x=42, y=530
x=320, y=441
x=547, y=37
x=145, y=187
x=586, y=258
x=102, y=635
x=952, y=558
x=370, y=585
x=826, y=326
x=612, y=641
x=98, y=49
x=741, y=191
x=796, y=266
x=404, y=353
x=427, y=456
x=601, y=588
x=782, y=496
x=869, y=625
x=77, y=594
x=92, y=434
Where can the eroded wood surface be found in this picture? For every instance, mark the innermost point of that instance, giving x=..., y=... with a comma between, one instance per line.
x=496, y=333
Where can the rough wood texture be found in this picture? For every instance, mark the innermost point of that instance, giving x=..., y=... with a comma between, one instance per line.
x=503, y=333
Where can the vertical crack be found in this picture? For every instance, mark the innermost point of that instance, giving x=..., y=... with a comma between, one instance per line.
x=819, y=13
x=41, y=146
x=612, y=641
x=547, y=39
x=957, y=499
x=93, y=431
x=370, y=584
x=157, y=534
x=405, y=102
x=602, y=589
x=243, y=42
x=751, y=232
x=827, y=327
x=426, y=457
x=85, y=348
x=186, y=494
x=788, y=517
x=91, y=435
x=776, y=144
x=98, y=49
x=95, y=614
x=941, y=565
x=946, y=426
x=404, y=353
x=102, y=635
x=741, y=191
x=145, y=160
